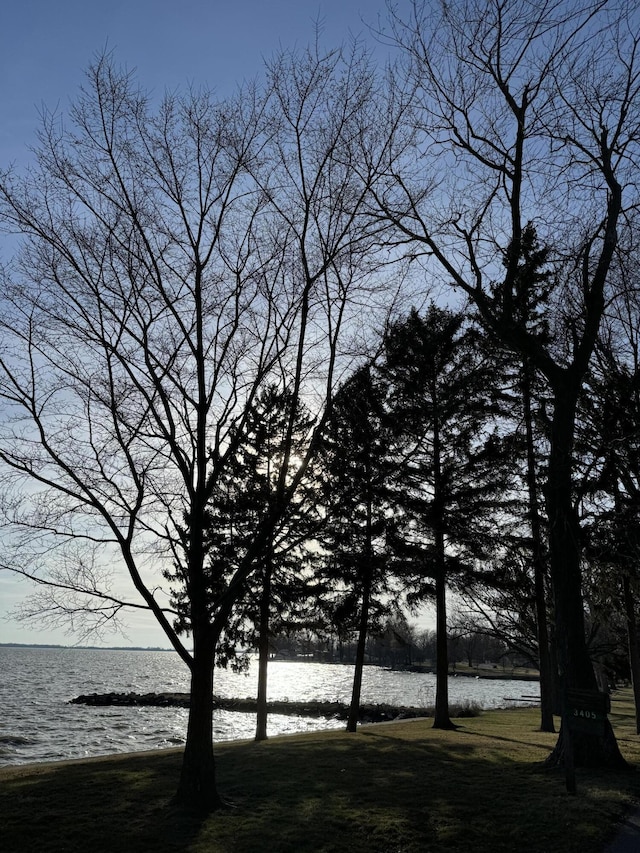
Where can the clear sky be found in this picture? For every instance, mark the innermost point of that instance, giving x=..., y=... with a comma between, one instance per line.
x=45, y=46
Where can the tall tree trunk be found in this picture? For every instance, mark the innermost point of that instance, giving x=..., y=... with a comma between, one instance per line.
x=197, y=788
x=354, y=707
x=547, y=675
x=575, y=668
x=367, y=581
x=553, y=655
x=634, y=649
x=263, y=653
x=441, y=716
x=442, y=719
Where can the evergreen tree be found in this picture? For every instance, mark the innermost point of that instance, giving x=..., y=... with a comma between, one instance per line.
x=528, y=301
x=281, y=588
x=357, y=465
x=241, y=502
x=449, y=483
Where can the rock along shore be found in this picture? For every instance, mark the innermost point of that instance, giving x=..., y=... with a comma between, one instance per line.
x=332, y=710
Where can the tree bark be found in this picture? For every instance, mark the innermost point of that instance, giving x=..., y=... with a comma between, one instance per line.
x=441, y=714
x=442, y=719
x=263, y=654
x=367, y=582
x=575, y=667
x=197, y=789
x=354, y=708
x=547, y=675
x=565, y=549
x=589, y=750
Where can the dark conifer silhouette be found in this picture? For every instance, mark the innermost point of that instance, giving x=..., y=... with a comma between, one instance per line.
x=440, y=396
x=357, y=465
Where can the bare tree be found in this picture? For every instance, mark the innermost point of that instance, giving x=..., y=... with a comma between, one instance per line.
x=525, y=112
x=177, y=258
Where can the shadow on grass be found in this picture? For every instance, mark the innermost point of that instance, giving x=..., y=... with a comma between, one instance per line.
x=123, y=804
x=378, y=792
x=387, y=789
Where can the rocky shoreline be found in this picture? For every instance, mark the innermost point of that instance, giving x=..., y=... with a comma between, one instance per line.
x=332, y=710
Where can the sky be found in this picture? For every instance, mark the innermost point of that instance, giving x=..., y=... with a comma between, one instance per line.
x=45, y=48
x=46, y=45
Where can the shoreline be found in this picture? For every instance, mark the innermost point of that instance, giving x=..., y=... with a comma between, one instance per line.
x=493, y=673
x=41, y=767
x=36, y=768
x=418, y=715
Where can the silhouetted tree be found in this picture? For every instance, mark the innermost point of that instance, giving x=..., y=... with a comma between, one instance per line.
x=451, y=479
x=281, y=583
x=525, y=407
x=610, y=489
x=521, y=113
x=175, y=259
x=357, y=465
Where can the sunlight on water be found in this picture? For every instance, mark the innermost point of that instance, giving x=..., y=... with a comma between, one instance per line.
x=37, y=723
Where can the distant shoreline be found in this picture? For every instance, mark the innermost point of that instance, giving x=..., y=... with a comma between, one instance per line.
x=482, y=671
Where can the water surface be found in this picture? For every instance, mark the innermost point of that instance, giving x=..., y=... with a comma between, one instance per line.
x=37, y=723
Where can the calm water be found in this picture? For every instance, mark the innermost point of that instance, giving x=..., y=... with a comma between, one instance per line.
x=37, y=723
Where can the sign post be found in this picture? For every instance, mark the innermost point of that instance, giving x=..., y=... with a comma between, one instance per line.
x=585, y=712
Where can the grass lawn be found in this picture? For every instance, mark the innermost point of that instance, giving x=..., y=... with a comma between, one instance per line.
x=390, y=788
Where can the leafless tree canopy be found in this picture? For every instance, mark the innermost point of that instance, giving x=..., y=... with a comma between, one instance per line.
x=522, y=112
x=177, y=257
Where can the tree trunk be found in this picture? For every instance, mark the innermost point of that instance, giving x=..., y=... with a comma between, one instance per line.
x=263, y=655
x=354, y=708
x=575, y=665
x=547, y=674
x=367, y=583
x=197, y=788
x=589, y=750
x=553, y=655
x=441, y=715
x=634, y=650
x=575, y=668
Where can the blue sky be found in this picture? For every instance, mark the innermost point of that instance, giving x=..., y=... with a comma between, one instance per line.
x=45, y=46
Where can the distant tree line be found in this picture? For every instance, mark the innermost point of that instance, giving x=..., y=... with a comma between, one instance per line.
x=399, y=645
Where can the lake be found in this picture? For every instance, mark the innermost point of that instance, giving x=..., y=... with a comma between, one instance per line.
x=37, y=723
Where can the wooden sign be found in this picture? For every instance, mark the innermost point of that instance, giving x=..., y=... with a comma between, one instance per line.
x=587, y=711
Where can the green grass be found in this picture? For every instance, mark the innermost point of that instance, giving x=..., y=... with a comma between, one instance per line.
x=390, y=788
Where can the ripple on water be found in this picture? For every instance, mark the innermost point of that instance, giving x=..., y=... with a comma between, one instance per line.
x=38, y=724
